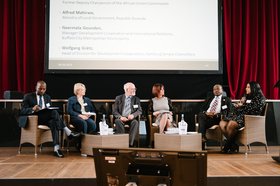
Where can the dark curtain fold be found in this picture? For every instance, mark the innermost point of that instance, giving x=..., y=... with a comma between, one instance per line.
x=251, y=38
x=22, y=37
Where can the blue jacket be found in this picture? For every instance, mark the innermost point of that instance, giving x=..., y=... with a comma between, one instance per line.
x=74, y=107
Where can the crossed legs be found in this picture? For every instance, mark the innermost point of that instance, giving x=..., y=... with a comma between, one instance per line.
x=229, y=129
x=164, y=122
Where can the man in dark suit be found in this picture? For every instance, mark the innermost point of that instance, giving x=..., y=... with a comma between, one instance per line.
x=38, y=103
x=215, y=106
x=126, y=108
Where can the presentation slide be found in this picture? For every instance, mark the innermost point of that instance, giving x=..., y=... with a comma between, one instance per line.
x=133, y=35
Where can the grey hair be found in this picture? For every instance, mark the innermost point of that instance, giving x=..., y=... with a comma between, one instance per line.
x=128, y=84
x=78, y=86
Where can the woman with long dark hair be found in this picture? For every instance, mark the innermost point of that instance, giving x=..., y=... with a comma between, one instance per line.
x=252, y=103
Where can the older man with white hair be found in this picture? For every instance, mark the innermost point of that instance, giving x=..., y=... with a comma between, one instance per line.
x=126, y=109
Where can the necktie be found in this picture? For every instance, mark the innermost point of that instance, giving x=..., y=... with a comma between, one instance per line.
x=214, y=105
x=40, y=102
x=127, y=109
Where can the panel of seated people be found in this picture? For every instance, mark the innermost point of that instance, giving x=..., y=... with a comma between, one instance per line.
x=189, y=107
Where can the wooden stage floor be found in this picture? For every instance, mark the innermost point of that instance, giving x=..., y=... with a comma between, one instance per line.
x=257, y=164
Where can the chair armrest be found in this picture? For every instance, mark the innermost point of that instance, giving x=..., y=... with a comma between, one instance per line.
x=43, y=127
x=111, y=120
x=66, y=118
x=195, y=118
x=176, y=119
x=253, y=116
x=32, y=120
x=254, y=121
x=196, y=122
x=150, y=120
x=254, y=128
x=214, y=127
x=93, y=117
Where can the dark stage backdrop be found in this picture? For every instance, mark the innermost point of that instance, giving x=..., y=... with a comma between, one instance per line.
x=108, y=86
x=251, y=45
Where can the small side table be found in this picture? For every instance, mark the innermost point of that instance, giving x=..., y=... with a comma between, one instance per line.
x=103, y=141
x=188, y=142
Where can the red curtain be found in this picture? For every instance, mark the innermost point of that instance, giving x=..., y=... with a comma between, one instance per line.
x=22, y=37
x=251, y=38
x=251, y=44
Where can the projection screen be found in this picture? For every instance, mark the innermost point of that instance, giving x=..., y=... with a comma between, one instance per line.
x=157, y=36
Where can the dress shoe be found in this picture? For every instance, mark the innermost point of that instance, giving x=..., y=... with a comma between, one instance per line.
x=226, y=148
x=73, y=135
x=58, y=153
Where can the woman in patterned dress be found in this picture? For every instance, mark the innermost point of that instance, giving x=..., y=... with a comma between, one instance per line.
x=252, y=103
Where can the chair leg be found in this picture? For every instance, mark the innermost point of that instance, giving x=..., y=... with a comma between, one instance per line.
x=266, y=149
x=41, y=147
x=35, y=154
x=68, y=143
x=62, y=138
x=246, y=149
x=249, y=147
x=221, y=145
x=19, y=149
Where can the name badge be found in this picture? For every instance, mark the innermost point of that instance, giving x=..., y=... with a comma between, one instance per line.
x=48, y=104
x=135, y=106
x=85, y=104
x=224, y=107
x=248, y=101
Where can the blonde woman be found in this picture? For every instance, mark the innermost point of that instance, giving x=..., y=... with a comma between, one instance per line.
x=79, y=108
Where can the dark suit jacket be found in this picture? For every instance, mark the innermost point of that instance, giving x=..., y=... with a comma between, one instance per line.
x=225, y=102
x=74, y=107
x=29, y=101
x=136, y=109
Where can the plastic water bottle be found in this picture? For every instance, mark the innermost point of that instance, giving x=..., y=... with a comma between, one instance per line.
x=183, y=126
x=103, y=127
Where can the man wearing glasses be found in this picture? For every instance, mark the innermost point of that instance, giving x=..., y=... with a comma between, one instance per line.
x=126, y=109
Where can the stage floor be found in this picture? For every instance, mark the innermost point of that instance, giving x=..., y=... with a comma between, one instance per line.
x=25, y=166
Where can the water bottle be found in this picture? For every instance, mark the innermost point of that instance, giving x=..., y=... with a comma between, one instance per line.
x=103, y=118
x=183, y=126
x=103, y=126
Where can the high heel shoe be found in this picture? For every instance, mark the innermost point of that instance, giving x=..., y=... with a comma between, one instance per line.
x=234, y=148
x=226, y=148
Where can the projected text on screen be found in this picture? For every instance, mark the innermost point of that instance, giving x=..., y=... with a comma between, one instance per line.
x=133, y=35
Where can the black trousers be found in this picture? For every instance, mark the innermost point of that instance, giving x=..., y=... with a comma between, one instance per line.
x=133, y=129
x=205, y=122
x=52, y=119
